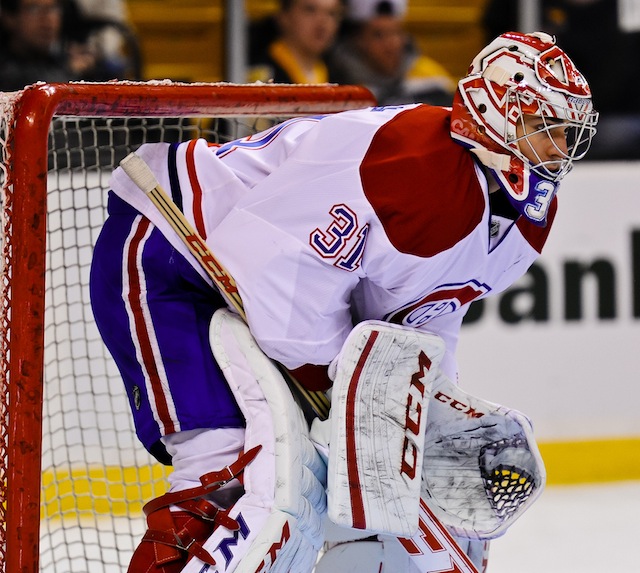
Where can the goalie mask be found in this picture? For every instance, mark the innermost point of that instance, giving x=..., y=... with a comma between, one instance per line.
x=515, y=76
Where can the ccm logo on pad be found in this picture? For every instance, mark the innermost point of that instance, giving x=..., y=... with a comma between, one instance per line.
x=457, y=405
x=413, y=417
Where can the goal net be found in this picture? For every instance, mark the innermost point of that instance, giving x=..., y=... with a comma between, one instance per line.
x=73, y=478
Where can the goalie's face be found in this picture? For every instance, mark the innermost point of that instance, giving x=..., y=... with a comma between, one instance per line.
x=543, y=141
x=551, y=144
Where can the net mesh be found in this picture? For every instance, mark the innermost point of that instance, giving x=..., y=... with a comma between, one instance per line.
x=95, y=475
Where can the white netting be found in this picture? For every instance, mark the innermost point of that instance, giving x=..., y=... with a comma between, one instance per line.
x=94, y=471
x=95, y=475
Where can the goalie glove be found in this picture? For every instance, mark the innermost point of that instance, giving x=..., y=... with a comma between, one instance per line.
x=280, y=516
x=482, y=468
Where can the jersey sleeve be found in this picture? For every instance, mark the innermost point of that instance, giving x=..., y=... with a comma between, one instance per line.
x=256, y=156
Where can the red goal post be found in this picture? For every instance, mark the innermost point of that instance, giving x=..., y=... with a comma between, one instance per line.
x=66, y=434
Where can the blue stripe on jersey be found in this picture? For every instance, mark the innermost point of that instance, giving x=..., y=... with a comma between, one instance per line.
x=176, y=193
x=265, y=137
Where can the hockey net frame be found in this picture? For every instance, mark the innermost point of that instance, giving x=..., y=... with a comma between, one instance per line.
x=31, y=493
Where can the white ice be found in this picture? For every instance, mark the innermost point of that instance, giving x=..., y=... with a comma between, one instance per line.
x=570, y=529
x=574, y=529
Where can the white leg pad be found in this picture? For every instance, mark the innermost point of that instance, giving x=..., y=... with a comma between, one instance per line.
x=377, y=425
x=282, y=511
x=381, y=554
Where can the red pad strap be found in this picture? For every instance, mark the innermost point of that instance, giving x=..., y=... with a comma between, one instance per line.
x=215, y=480
x=174, y=533
x=169, y=544
x=210, y=482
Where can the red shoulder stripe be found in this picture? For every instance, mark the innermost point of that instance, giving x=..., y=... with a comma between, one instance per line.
x=421, y=184
x=196, y=189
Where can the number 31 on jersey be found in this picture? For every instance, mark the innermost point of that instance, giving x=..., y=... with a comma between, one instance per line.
x=343, y=240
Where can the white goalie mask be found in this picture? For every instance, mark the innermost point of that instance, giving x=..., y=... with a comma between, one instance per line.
x=520, y=75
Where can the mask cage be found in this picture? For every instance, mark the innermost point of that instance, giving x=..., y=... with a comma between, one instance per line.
x=579, y=126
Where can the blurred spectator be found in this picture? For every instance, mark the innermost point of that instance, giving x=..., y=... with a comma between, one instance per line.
x=290, y=47
x=47, y=40
x=374, y=50
x=604, y=50
x=104, y=26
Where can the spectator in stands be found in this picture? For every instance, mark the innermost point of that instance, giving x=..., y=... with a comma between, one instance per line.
x=374, y=50
x=41, y=40
x=290, y=47
x=605, y=48
x=103, y=25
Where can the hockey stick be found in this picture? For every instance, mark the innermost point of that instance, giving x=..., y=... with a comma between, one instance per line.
x=140, y=173
x=433, y=550
x=419, y=547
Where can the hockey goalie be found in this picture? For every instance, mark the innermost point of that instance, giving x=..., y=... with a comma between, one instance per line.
x=355, y=242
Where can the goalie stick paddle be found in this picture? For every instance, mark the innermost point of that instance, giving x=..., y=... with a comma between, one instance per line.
x=140, y=173
x=419, y=547
x=432, y=549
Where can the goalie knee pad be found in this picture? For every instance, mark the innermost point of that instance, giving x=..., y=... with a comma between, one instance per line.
x=377, y=554
x=477, y=550
x=355, y=551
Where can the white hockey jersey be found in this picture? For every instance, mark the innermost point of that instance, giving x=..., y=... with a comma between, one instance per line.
x=325, y=222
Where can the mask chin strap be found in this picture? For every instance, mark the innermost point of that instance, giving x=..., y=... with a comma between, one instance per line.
x=493, y=160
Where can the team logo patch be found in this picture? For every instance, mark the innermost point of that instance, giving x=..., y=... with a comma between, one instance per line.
x=444, y=299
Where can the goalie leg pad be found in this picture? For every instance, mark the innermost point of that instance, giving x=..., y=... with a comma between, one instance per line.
x=376, y=554
x=358, y=551
x=280, y=516
x=482, y=467
x=477, y=550
x=382, y=384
